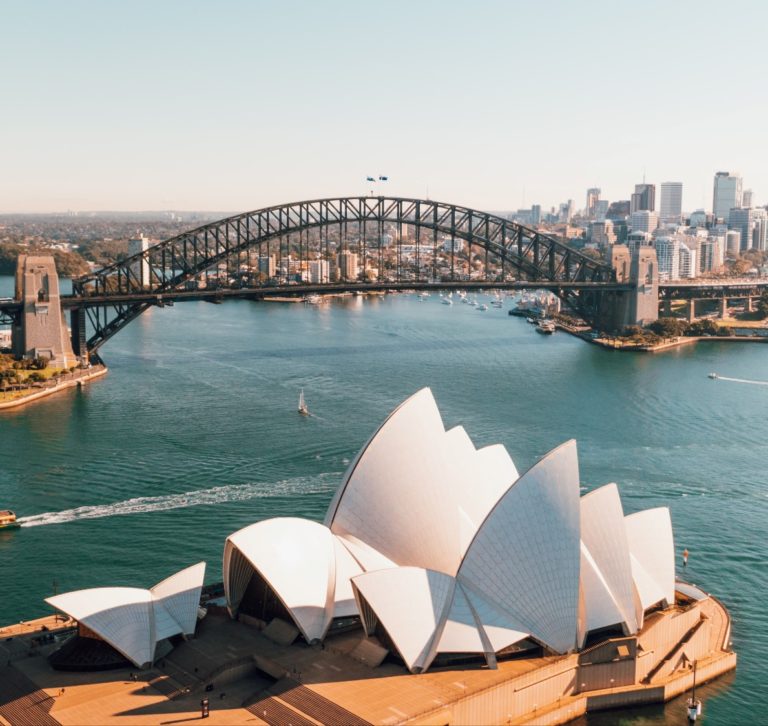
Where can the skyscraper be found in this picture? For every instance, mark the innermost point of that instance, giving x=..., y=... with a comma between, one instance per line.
x=593, y=195
x=643, y=198
x=671, y=203
x=727, y=194
x=752, y=224
x=747, y=198
x=140, y=268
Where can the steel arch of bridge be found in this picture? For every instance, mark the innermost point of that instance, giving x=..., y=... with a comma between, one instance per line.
x=529, y=254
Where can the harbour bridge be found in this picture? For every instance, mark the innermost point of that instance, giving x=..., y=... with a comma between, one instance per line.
x=377, y=243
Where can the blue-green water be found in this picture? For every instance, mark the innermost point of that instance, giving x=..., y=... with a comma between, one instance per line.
x=194, y=434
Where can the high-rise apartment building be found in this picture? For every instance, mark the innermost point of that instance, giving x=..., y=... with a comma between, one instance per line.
x=348, y=266
x=687, y=266
x=267, y=265
x=671, y=202
x=140, y=268
x=644, y=198
x=319, y=272
x=727, y=194
x=668, y=255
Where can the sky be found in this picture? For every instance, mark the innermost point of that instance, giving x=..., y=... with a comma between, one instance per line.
x=234, y=105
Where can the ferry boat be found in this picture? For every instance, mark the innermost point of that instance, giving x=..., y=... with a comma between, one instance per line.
x=546, y=327
x=8, y=519
x=313, y=299
x=303, y=409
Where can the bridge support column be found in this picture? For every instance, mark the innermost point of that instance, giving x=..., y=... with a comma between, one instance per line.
x=77, y=326
x=666, y=308
x=640, y=304
x=41, y=331
x=690, y=311
x=723, y=307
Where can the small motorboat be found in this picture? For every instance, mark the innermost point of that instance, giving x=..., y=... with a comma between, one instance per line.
x=303, y=410
x=713, y=375
x=483, y=306
x=8, y=519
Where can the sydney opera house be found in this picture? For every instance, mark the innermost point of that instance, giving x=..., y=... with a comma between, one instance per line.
x=443, y=586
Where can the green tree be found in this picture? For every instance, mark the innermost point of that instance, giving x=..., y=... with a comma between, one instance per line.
x=668, y=327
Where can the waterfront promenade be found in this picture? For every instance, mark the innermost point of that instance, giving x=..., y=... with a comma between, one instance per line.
x=249, y=678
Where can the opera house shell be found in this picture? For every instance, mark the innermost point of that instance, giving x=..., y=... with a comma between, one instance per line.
x=133, y=620
x=442, y=549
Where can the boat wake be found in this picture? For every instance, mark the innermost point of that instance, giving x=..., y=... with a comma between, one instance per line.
x=742, y=380
x=215, y=495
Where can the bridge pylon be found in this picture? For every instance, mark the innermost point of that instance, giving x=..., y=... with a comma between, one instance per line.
x=40, y=330
x=619, y=309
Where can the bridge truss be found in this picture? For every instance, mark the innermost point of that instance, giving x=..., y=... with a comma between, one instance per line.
x=293, y=235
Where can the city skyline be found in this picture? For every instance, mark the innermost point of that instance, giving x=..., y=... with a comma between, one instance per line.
x=238, y=106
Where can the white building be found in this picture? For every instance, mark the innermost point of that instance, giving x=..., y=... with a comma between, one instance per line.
x=688, y=265
x=453, y=243
x=671, y=203
x=140, y=267
x=441, y=548
x=733, y=242
x=668, y=255
x=319, y=271
x=643, y=220
x=726, y=195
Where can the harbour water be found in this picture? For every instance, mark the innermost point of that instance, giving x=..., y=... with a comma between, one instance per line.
x=194, y=433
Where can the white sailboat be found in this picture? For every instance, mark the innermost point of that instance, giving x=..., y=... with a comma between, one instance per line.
x=303, y=410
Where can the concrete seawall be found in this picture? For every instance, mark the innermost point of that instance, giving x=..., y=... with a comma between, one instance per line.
x=89, y=375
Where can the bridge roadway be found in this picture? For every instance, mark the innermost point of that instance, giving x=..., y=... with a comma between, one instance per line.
x=678, y=289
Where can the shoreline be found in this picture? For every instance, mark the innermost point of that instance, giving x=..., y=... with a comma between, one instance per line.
x=667, y=344
x=95, y=372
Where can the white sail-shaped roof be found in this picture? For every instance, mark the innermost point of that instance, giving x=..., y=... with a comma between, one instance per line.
x=452, y=552
x=133, y=620
x=297, y=558
x=429, y=484
x=525, y=557
x=603, y=533
x=651, y=545
x=412, y=604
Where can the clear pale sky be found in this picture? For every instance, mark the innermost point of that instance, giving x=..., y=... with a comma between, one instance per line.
x=233, y=105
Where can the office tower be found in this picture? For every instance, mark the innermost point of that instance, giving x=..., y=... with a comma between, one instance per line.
x=671, y=202
x=140, y=268
x=536, y=214
x=618, y=210
x=727, y=194
x=643, y=221
x=601, y=233
x=593, y=195
x=600, y=210
x=733, y=242
x=698, y=218
x=751, y=223
x=644, y=198
x=746, y=200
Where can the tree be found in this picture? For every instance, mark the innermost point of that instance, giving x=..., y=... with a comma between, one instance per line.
x=668, y=327
x=762, y=306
